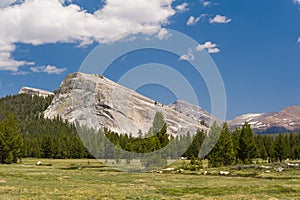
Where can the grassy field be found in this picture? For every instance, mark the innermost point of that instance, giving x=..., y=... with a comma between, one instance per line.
x=89, y=179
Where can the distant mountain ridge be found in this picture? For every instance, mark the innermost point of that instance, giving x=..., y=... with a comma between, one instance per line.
x=287, y=120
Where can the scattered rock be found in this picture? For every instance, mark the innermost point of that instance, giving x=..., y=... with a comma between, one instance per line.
x=224, y=173
x=265, y=167
x=279, y=169
x=39, y=163
x=2, y=181
x=292, y=164
x=168, y=169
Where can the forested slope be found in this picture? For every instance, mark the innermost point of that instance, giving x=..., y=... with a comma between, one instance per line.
x=41, y=137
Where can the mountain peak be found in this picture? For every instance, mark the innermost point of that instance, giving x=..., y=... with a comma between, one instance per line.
x=97, y=102
x=286, y=120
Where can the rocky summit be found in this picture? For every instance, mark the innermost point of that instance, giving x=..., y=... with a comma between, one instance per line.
x=35, y=91
x=98, y=102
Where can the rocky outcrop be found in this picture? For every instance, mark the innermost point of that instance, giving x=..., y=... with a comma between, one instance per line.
x=195, y=112
x=98, y=102
x=34, y=91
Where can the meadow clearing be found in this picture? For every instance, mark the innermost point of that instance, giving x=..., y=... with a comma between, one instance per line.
x=90, y=179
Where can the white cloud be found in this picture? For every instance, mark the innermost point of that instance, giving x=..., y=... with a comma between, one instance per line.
x=209, y=46
x=20, y=73
x=297, y=1
x=206, y=3
x=219, y=19
x=182, y=7
x=163, y=34
x=298, y=39
x=189, y=56
x=192, y=20
x=6, y=60
x=213, y=50
x=39, y=22
x=206, y=45
x=48, y=69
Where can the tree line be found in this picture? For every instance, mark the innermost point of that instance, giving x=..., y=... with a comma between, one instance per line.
x=24, y=132
x=220, y=146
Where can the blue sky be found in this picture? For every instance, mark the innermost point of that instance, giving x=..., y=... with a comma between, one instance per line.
x=255, y=44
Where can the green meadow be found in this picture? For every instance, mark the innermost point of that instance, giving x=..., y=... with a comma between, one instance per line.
x=90, y=179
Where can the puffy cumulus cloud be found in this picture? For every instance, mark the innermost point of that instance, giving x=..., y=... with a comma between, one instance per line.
x=209, y=46
x=219, y=19
x=48, y=69
x=298, y=40
x=192, y=20
x=6, y=60
x=189, y=56
x=39, y=22
x=182, y=7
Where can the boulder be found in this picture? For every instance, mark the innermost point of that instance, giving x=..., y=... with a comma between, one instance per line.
x=224, y=173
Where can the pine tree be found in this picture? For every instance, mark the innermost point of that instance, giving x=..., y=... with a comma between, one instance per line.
x=211, y=140
x=195, y=147
x=223, y=152
x=292, y=143
x=228, y=154
x=247, y=148
x=236, y=134
x=281, y=149
x=158, y=123
x=263, y=152
x=261, y=149
x=11, y=142
x=163, y=136
x=159, y=140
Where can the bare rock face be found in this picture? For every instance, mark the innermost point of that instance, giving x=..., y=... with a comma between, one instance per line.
x=286, y=120
x=98, y=102
x=34, y=91
x=195, y=112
